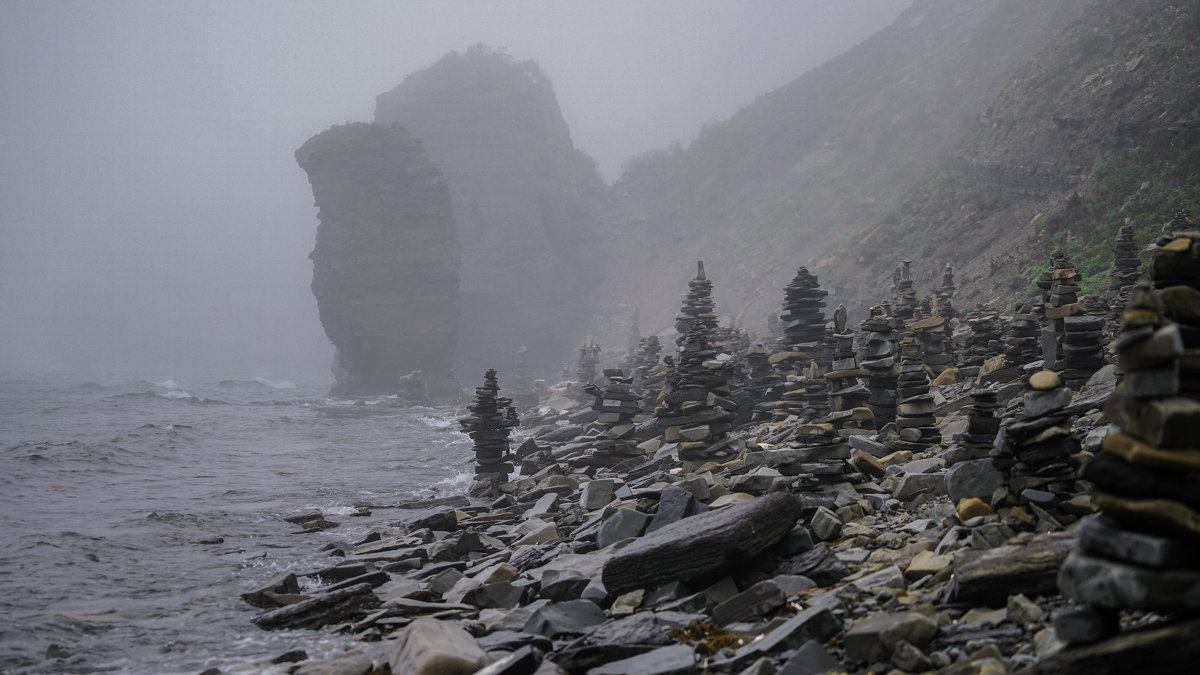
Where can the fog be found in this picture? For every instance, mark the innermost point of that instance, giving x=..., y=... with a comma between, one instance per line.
x=153, y=222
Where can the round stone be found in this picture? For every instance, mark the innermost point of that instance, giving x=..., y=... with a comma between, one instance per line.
x=1044, y=380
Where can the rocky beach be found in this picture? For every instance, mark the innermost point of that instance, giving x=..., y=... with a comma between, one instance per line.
x=607, y=537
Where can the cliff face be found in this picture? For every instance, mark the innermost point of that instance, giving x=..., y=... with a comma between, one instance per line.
x=385, y=265
x=525, y=199
x=796, y=173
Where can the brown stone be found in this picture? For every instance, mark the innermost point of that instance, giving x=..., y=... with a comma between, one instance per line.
x=972, y=507
x=1044, y=380
x=1162, y=515
x=1135, y=451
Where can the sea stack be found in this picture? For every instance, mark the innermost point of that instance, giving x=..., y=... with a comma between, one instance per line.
x=386, y=260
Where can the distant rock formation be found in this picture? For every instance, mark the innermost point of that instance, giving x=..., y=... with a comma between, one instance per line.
x=526, y=202
x=386, y=261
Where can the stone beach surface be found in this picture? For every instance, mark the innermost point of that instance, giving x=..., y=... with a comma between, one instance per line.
x=813, y=539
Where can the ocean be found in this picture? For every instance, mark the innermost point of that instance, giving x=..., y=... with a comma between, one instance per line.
x=134, y=514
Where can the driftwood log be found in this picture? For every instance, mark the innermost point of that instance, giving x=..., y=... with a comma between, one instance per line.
x=1028, y=566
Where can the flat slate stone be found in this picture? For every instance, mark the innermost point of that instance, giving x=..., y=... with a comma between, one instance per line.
x=703, y=545
x=1114, y=585
x=1100, y=536
x=662, y=661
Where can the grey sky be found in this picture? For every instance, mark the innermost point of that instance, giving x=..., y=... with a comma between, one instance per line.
x=152, y=219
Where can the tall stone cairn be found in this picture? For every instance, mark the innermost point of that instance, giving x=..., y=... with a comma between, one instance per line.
x=804, y=357
x=1082, y=352
x=589, y=356
x=984, y=339
x=847, y=390
x=982, y=425
x=915, y=409
x=697, y=306
x=945, y=294
x=934, y=345
x=906, y=297
x=648, y=376
x=1125, y=259
x=525, y=396
x=1061, y=297
x=696, y=409
x=1139, y=552
x=879, y=360
x=492, y=417
x=1037, y=454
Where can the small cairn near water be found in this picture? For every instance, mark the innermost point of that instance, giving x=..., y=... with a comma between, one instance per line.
x=492, y=419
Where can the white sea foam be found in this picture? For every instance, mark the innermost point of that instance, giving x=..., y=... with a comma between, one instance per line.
x=169, y=384
x=276, y=384
x=176, y=394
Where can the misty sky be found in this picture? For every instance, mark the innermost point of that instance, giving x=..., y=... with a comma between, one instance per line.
x=153, y=221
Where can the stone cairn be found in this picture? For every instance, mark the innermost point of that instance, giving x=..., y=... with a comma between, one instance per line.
x=1061, y=298
x=763, y=379
x=945, y=296
x=804, y=345
x=982, y=425
x=525, y=397
x=646, y=375
x=1082, y=352
x=879, y=360
x=492, y=417
x=847, y=390
x=1021, y=341
x=632, y=342
x=982, y=342
x=915, y=411
x=697, y=306
x=589, y=355
x=902, y=287
x=1036, y=455
x=1125, y=259
x=933, y=342
x=696, y=409
x=1139, y=552
x=616, y=405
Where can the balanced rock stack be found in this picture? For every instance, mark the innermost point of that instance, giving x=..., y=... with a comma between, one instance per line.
x=915, y=412
x=696, y=409
x=804, y=320
x=1062, y=295
x=1036, y=454
x=763, y=386
x=931, y=335
x=1125, y=259
x=646, y=377
x=1082, y=352
x=616, y=406
x=879, y=360
x=982, y=425
x=945, y=294
x=906, y=297
x=1140, y=552
x=1181, y=221
x=697, y=306
x=806, y=395
x=815, y=455
x=589, y=355
x=492, y=418
x=983, y=341
x=1021, y=341
x=1176, y=273
x=525, y=396
x=847, y=390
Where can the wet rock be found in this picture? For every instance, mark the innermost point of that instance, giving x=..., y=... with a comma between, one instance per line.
x=321, y=610
x=703, y=545
x=261, y=597
x=622, y=523
x=434, y=647
x=356, y=662
x=565, y=618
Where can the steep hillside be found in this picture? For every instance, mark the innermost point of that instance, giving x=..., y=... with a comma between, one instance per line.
x=772, y=187
x=1100, y=127
x=525, y=199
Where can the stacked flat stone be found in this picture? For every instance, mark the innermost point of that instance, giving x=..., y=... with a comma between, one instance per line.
x=915, y=410
x=935, y=353
x=1082, y=350
x=945, y=294
x=763, y=386
x=1037, y=454
x=648, y=351
x=806, y=395
x=525, y=396
x=696, y=409
x=1022, y=341
x=906, y=298
x=734, y=341
x=804, y=318
x=589, y=356
x=697, y=306
x=982, y=425
x=1139, y=553
x=846, y=388
x=1062, y=297
x=1176, y=275
x=1125, y=259
x=814, y=456
x=1181, y=221
x=492, y=417
x=984, y=340
x=879, y=360
x=616, y=405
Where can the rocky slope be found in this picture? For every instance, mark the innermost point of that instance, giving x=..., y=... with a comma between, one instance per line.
x=525, y=199
x=386, y=261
